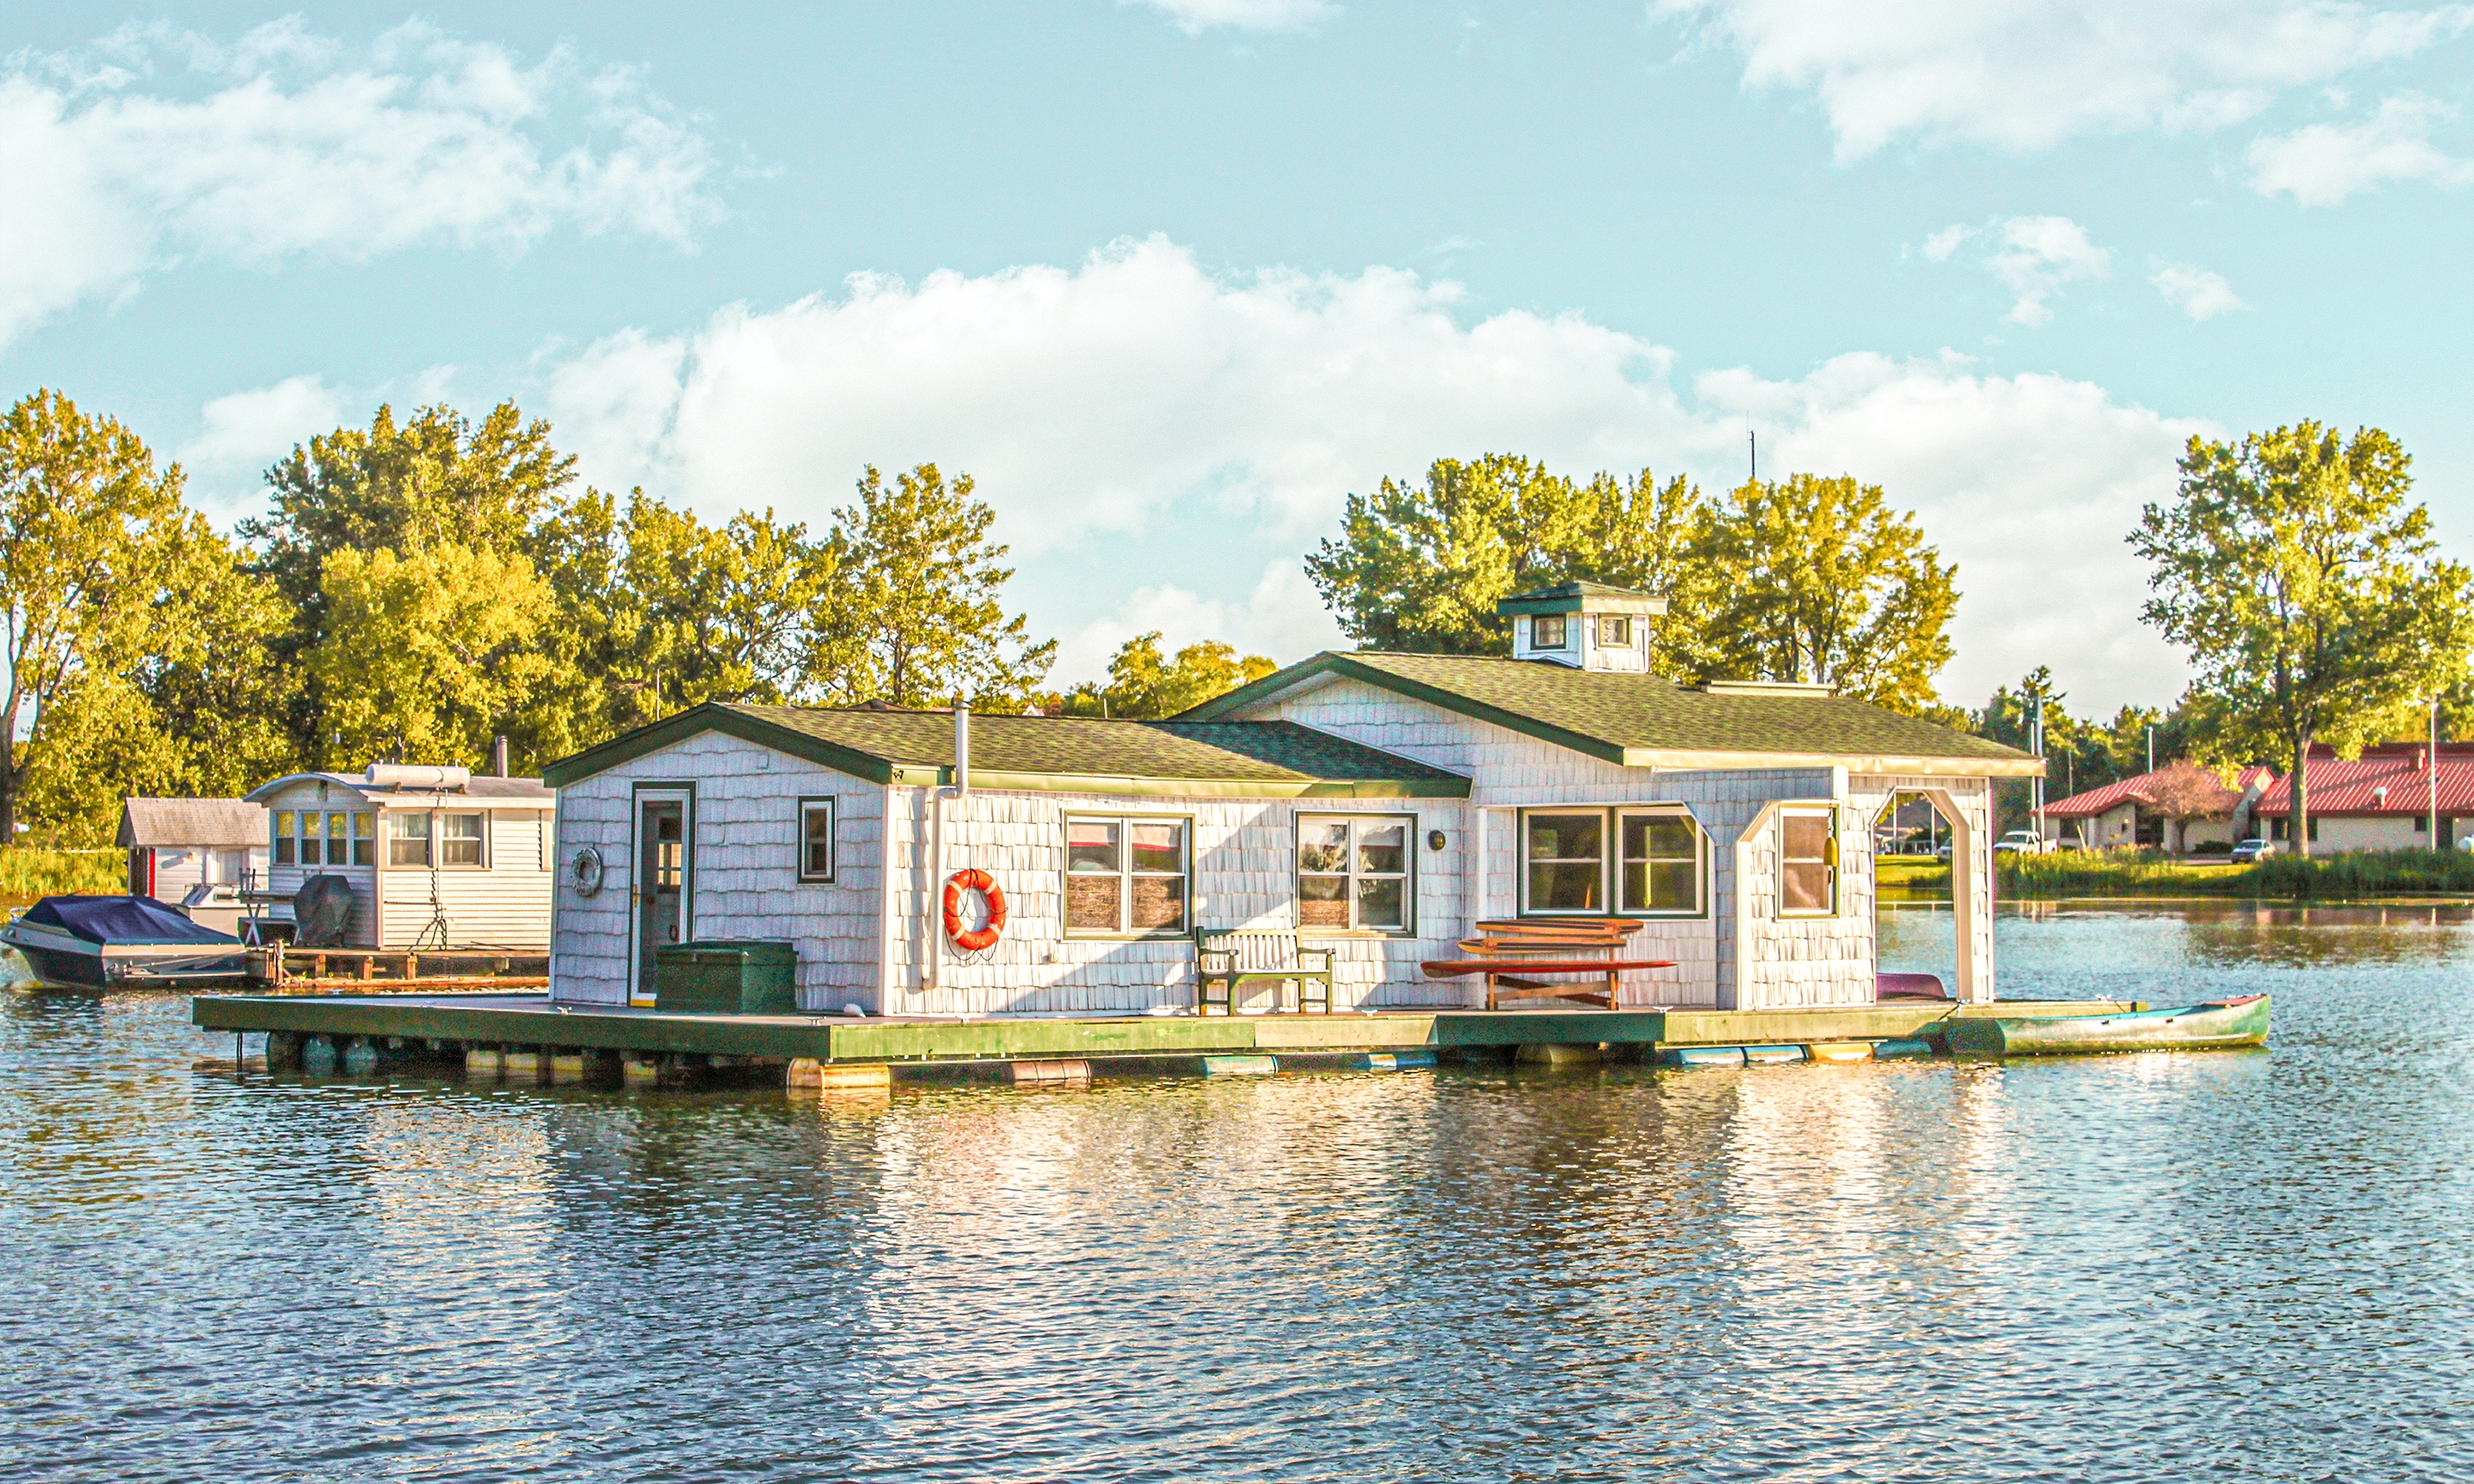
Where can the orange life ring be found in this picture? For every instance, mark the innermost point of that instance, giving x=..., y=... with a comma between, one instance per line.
x=971, y=878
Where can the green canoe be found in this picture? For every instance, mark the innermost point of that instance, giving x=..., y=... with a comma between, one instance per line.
x=2226, y=1022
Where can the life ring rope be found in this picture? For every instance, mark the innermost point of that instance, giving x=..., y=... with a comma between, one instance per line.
x=971, y=878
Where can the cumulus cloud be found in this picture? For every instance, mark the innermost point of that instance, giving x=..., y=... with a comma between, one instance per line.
x=1137, y=392
x=2196, y=292
x=2028, y=74
x=2322, y=164
x=2034, y=257
x=1195, y=16
x=160, y=145
x=248, y=430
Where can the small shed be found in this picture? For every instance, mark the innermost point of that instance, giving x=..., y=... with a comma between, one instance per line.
x=176, y=844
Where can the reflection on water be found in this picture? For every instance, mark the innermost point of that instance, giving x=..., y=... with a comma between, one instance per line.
x=2156, y=1266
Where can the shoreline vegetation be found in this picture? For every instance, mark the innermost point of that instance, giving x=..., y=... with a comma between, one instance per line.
x=30, y=873
x=2082, y=873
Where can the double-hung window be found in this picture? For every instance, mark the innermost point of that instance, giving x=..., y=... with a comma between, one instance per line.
x=1647, y=861
x=1125, y=876
x=288, y=843
x=1353, y=872
x=816, y=839
x=407, y=839
x=463, y=840
x=1808, y=862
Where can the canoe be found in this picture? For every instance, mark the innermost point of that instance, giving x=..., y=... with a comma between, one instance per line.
x=2241, y=1022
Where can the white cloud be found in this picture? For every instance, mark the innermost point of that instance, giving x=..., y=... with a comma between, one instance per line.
x=2324, y=164
x=1137, y=387
x=2027, y=74
x=249, y=430
x=162, y=145
x=1195, y=16
x=2196, y=292
x=2034, y=257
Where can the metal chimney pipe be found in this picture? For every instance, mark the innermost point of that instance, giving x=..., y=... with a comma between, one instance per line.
x=499, y=755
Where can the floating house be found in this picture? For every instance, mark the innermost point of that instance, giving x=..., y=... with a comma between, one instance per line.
x=434, y=857
x=182, y=849
x=1374, y=805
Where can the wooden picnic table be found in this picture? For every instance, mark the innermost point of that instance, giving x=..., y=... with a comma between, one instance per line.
x=1508, y=952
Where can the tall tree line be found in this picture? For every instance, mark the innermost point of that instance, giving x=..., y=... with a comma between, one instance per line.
x=419, y=585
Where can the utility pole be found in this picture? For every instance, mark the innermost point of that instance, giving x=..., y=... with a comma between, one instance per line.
x=2152, y=747
x=2036, y=745
x=2431, y=779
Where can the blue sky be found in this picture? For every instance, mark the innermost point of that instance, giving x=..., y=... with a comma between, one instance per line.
x=1172, y=277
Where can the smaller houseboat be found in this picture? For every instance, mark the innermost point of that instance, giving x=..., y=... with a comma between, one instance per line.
x=122, y=943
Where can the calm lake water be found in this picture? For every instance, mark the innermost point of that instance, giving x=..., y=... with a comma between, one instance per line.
x=2215, y=1266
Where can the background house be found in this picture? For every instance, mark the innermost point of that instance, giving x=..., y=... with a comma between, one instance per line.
x=2382, y=801
x=2153, y=810
x=178, y=845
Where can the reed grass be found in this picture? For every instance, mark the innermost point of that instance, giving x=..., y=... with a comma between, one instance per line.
x=2366, y=873
x=2120, y=873
x=29, y=871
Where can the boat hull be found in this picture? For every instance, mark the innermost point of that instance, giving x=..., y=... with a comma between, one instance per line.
x=57, y=958
x=2223, y=1024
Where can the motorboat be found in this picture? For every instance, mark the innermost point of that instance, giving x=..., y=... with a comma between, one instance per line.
x=123, y=943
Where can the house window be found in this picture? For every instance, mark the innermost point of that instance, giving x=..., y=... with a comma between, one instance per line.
x=1614, y=630
x=365, y=839
x=1566, y=854
x=1546, y=630
x=460, y=840
x=1807, y=863
x=408, y=840
x=1353, y=872
x=816, y=839
x=287, y=850
x=1124, y=877
x=1661, y=861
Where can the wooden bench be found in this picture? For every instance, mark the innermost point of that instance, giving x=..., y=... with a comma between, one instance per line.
x=1508, y=953
x=1233, y=958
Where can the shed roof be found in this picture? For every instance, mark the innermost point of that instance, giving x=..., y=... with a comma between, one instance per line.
x=162, y=823
x=1054, y=753
x=484, y=787
x=1643, y=721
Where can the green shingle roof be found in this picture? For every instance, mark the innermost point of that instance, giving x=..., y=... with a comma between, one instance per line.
x=1063, y=753
x=1643, y=721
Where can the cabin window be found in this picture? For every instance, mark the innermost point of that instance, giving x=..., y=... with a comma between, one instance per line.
x=287, y=850
x=461, y=840
x=1546, y=630
x=1614, y=632
x=1663, y=861
x=1807, y=863
x=815, y=840
x=408, y=840
x=1354, y=870
x=365, y=839
x=1126, y=878
x=1566, y=854
x=339, y=839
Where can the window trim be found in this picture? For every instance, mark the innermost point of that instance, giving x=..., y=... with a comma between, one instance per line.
x=806, y=805
x=428, y=838
x=1831, y=853
x=1125, y=874
x=1563, y=630
x=1407, y=874
x=1610, y=861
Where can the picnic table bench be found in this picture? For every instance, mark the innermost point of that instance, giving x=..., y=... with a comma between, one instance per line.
x=1508, y=952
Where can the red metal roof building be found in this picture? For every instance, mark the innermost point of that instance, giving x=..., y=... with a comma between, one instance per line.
x=2380, y=800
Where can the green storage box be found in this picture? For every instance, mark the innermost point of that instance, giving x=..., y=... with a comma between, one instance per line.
x=747, y=977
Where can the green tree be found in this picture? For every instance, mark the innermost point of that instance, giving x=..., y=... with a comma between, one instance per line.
x=1421, y=566
x=914, y=616
x=1818, y=579
x=428, y=653
x=94, y=544
x=2308, y=593
x=1144, y=684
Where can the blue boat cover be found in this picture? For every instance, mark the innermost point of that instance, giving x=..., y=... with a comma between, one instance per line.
x=109, y=919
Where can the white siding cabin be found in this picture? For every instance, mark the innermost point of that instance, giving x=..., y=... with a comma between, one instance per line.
x=436, y=857
x=177, y=845
x=1377, y=804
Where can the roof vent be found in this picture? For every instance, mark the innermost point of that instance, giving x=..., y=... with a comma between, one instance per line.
x=408, y=775
x=1807, y=689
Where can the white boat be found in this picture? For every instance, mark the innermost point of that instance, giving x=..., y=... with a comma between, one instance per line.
x=122, y=943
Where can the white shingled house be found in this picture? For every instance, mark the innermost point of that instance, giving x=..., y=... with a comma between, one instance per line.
x=435, y=856
x=1376, y=805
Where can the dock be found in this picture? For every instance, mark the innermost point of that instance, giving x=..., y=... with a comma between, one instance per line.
x=533, y=1037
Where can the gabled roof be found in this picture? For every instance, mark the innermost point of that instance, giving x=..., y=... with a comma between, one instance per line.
x=1048, y=753
x=2388, y=779
x=151, y=822
x=2088, y=803
x=1643, y=722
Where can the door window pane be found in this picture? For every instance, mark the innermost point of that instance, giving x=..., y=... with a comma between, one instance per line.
x=1566, y=863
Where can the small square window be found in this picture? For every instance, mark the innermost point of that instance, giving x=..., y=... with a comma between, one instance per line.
x=1547, y=631
x=1614, y=630
x=815, y=840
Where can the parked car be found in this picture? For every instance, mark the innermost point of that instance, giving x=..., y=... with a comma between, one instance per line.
x=2247, y=850
x=2024, y=842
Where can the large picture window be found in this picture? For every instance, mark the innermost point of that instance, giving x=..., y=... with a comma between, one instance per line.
x=1807, y=863
x=816, y=839
x=1125, y=876
x=1650, y=861
x=1353, y=872
x=319, y=837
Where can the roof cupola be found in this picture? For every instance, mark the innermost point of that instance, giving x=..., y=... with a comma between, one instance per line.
x=1588, y=625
